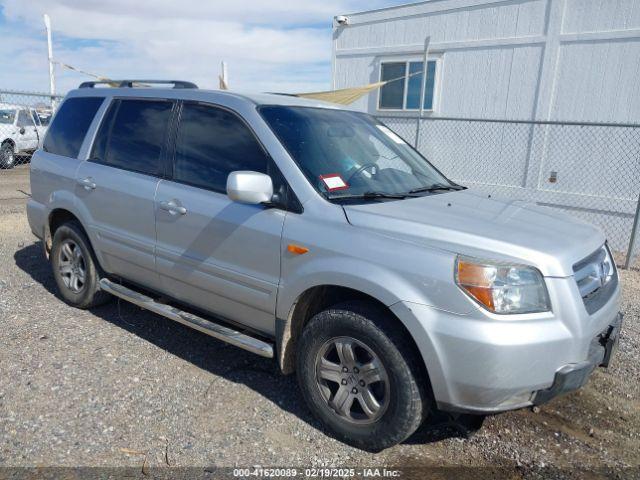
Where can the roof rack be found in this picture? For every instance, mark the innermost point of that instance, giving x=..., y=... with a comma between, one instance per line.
x=130, y=83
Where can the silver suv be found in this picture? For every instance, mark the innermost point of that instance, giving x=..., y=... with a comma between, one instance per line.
x=317, y=236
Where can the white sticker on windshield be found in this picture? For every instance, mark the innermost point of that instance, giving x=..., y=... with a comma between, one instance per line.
x=334, y=182
x=390, y=134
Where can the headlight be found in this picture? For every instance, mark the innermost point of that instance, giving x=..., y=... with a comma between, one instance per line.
x=502, y=288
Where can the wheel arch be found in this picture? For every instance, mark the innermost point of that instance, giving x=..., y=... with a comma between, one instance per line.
x=59, y=216
x=9, y=141
x=313, y=300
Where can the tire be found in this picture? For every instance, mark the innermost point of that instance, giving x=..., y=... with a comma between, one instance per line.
x=7, y=156
x=400, y=389
x=75, y=269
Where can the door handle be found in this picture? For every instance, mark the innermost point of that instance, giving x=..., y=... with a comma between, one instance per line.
x=88, y=183
x=173, y=208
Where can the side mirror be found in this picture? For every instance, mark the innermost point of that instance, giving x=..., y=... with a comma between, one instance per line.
x=249, y=187
x=22, y=130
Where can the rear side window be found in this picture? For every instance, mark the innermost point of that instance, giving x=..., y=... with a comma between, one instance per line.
x=66, y=133
x=133, y=134
x=210, y=144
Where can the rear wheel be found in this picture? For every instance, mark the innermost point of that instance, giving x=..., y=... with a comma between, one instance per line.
x=74, y=267
x=361, y=377
x=7, y=156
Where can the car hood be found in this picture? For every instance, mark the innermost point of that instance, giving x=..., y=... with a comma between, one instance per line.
x=473, y=223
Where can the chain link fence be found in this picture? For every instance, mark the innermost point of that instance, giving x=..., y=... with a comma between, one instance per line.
x=588, y=170
x=24, y=117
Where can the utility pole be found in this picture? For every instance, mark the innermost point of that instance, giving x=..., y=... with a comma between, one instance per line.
x=422, y=87
x=52, y=80
x=224, y=79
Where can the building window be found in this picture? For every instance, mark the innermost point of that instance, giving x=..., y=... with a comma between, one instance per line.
x=403, y=91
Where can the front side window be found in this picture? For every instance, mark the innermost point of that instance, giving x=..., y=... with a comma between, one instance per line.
x=133, y=134
x=24, y=119
x=403, y=90
x=66, y=133
x=210, y=144
x=345, y=153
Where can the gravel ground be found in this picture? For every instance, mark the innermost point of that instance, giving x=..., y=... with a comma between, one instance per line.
x=118, y=386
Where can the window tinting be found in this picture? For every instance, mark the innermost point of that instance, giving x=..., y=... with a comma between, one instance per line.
x=133, y=134
x=66, y=133
x=210, y=144
x=392, y=94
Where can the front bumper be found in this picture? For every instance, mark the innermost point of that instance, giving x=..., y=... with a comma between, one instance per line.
x=573, y=376
x=483, y=364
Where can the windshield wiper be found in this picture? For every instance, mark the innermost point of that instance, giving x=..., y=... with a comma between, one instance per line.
x=437, y=186
x=371, y=195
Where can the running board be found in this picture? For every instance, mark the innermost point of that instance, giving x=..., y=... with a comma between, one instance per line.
x=215, y=330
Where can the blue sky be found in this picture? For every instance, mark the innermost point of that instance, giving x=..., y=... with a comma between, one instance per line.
x=268, y=45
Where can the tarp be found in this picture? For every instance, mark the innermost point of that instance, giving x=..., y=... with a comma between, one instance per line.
x=343, y=96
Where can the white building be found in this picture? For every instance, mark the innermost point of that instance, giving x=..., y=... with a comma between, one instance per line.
x=516, y=59
x=543, y=60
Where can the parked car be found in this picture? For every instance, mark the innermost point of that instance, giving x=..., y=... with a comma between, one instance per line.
x=315, y=235
x=20, y=133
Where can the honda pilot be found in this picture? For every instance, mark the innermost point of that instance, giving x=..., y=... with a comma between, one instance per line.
x=315, y=235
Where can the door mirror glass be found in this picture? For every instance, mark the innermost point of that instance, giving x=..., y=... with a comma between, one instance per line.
x=249, y=187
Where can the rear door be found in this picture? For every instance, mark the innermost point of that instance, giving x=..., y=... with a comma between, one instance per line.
x=215, y=254
x=117, y=185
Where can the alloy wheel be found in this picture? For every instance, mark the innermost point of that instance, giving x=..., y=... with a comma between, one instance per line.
x=72, y=266
x=352, y=380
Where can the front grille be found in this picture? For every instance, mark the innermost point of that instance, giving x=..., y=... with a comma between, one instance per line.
x=596, y=278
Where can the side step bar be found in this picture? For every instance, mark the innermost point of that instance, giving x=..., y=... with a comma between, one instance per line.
x=215, y=330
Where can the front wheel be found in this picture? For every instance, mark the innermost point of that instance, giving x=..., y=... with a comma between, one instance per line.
x=7, y=156
x=361, y=377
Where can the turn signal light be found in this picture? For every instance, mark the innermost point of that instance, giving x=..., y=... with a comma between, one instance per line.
x=297, y=249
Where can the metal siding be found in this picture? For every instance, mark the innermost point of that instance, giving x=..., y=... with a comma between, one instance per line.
x=601, y=15
x=598, y=81
x=505, y=20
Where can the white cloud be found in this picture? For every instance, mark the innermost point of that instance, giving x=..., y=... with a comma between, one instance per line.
x=269, y=45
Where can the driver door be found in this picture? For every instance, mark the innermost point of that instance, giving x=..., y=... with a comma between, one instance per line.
x=215, y=254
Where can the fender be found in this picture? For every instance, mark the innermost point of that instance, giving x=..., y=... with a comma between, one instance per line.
x=375, y=281
x=66, y=200
x=384, y=285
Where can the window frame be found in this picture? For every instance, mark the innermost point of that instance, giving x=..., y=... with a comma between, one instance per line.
x=407, y=60
x=291, y=204
x=115, y=102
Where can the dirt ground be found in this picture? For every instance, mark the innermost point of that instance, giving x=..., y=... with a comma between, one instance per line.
x=120, y=387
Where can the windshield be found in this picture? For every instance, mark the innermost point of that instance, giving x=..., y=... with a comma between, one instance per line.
x=7, y=116
x=347, y=154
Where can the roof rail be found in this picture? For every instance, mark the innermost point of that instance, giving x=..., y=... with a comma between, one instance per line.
x=130, y=83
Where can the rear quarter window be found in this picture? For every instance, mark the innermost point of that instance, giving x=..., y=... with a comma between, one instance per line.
x=66, y=134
